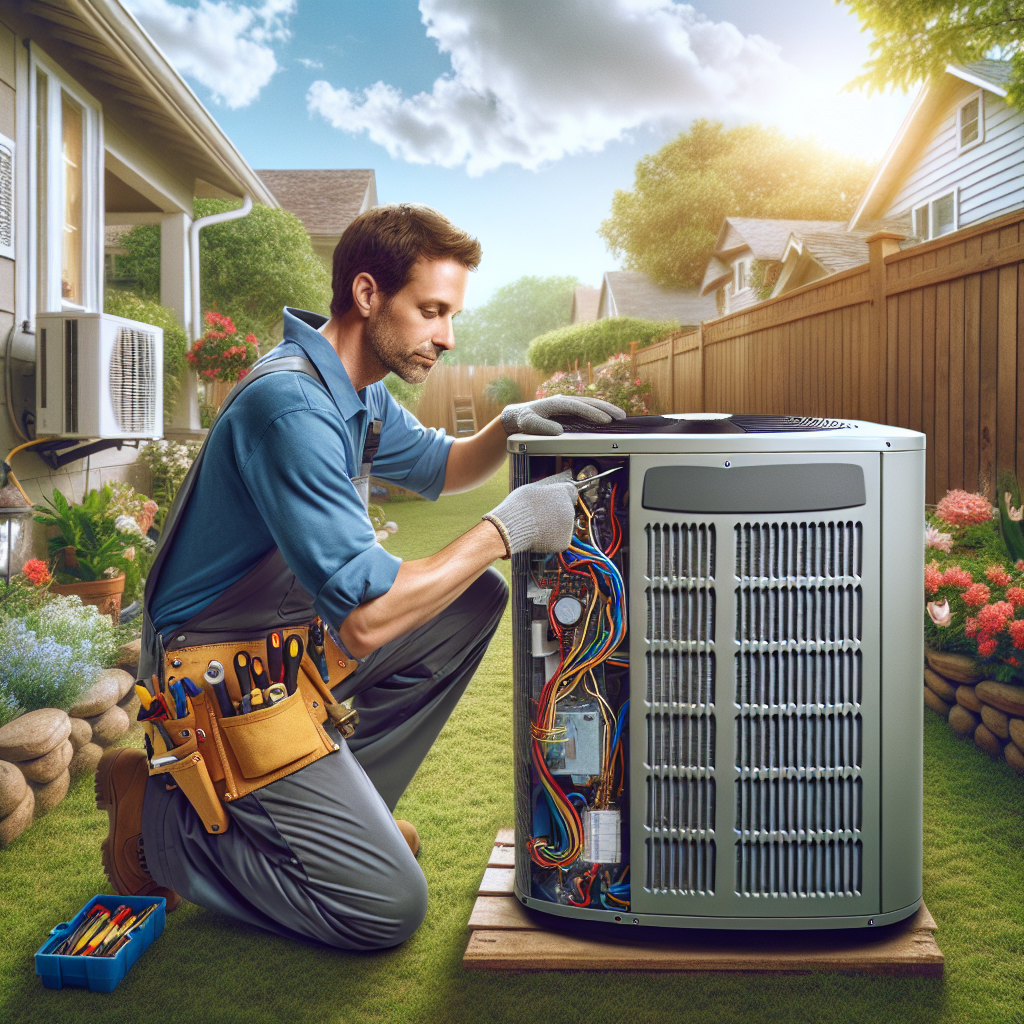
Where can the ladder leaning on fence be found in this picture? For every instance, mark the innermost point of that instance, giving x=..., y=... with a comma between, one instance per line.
x=463, y=415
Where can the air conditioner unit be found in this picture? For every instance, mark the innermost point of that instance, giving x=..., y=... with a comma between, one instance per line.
x=98, y=376
x=717, y=689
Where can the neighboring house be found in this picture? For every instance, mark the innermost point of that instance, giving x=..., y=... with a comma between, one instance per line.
x=325, y=201
x=809, y=256
x=585, y=301
x=746, y=256
x=97, y=129
x=957, y=160
x=630, y=293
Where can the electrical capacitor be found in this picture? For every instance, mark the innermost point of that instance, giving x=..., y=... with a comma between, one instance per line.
x=568, y=611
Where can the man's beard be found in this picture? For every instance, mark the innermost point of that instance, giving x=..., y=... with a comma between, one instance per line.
x=387, y=346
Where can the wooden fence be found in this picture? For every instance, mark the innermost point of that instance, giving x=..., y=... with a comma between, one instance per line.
x=930, y=338
x=445, y=382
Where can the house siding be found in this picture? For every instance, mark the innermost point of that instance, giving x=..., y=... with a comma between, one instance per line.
x=989, y=177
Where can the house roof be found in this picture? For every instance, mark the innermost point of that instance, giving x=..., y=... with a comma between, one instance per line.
x=630, y=293
x=991, y=75
x=326, y=201
x=765, y=238
x=585, y=303
x=134, y=79
x=834, y=250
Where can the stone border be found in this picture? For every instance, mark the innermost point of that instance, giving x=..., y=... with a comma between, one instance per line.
x=990, y=713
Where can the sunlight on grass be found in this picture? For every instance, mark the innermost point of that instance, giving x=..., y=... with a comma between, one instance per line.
x=207, y=967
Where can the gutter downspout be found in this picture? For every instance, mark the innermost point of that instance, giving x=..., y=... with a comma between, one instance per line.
x=193, y=239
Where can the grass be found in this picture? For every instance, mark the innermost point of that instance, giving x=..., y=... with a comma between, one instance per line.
x=209, y=968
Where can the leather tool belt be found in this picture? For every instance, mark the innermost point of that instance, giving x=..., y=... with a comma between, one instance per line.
x=219, y=759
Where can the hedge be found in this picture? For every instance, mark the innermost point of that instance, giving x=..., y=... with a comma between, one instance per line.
x=593, y=342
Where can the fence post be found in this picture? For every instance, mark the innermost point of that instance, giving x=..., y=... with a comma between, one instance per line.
x=671, y=342
x=632, y=359
x=700, y=361
x=880, y=245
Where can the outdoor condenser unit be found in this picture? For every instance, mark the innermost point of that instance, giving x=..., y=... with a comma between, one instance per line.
x=98, y=376
x=717, y=689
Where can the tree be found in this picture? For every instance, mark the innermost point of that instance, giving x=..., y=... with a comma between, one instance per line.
x=251, y=267
x=914, y=40
x=497, y=333
x=667, y=226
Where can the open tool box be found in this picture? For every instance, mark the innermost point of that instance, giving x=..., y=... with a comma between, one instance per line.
x=99, y=973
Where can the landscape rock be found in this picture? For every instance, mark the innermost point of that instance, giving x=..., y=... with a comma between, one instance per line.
x=957, y=667
x=33, y=734
x=1000, y=695
x=81, y=733
x=19, y=819
x=1014, y=757
x=46, y=768
x=12, y=787
x=963, y=722
x=937, y=684
x=103, y=694
x=998, y=721
x=49, y=794
x=86, y=759
x=1017, y=731
x=130, y=654
x=125, y=682
x=985, y=738
x=130, y=704
x=108, y=726
x=935, y=702
x=966, y=696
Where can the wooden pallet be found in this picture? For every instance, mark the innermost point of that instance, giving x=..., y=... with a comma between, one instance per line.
x=505, y=936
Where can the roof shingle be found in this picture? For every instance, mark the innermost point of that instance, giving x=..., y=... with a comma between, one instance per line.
x=326, y=201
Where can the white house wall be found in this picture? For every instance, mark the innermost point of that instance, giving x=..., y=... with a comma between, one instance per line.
x=990, y=176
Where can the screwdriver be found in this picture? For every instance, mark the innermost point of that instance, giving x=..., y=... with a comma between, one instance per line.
x=292, y=659
x=214, y=679
x=244, y=680
x=123, y=913
x=275, y=658
x=259, y=678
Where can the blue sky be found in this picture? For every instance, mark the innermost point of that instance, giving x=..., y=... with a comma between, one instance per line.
x=517, y=119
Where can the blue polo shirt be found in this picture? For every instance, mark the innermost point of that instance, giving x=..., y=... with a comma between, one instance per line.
x=277, y=473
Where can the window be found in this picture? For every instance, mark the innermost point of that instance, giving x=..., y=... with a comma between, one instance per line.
x=970, y=122
x=936, y=217
x=66, y=181
x=741, y=275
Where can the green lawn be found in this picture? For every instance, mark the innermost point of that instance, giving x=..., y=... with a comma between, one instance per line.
x=208, y=968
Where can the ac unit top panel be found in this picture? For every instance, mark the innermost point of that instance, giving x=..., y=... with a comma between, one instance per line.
x=720, y=433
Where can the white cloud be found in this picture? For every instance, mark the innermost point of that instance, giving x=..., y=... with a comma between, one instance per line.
x=226, y=46
x=309, y=63
x=533, y=80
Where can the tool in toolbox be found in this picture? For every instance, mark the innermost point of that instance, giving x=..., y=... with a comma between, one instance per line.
x=122, y=915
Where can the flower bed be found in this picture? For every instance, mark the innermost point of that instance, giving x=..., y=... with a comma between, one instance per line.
x=974, y=626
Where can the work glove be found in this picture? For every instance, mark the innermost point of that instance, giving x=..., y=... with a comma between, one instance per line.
x=534, y=417
x=537, y=516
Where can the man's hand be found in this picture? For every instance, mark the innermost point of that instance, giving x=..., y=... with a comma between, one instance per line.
x=537, y=516
x=534, y=417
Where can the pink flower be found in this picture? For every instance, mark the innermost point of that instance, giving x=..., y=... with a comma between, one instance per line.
x=934, y=539
x=993, y=617
x=954, y=576
x=959, y=508
x=986, y=648
x=932, y=578
x=1015, y=595
x=940, y=613
x=998, y=575
x=1020, y=565
x=976, y=595
x=1016, y=631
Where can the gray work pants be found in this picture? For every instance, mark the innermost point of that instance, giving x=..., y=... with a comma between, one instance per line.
x=317, y=855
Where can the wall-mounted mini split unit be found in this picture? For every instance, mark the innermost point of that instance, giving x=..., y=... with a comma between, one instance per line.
x=98, y=376
x=718, y=686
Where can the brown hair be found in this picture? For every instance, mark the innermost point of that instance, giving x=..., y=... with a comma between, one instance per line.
x=386, y=241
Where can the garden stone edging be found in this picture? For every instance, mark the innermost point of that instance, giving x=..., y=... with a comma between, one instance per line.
x=34, y=734
x=103, y=694
x=49, y=794
x=46, y=768
x=12, y=788
x=989, y=712
x=19, y=819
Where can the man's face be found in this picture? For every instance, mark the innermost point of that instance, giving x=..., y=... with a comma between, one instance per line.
x=409, y=330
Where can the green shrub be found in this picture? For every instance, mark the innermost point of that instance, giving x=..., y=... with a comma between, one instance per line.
x=504, y=390
x=404, y=393
x=594, y=342
x=133, y=307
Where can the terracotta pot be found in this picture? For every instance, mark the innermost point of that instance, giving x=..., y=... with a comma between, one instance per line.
x=105, y=594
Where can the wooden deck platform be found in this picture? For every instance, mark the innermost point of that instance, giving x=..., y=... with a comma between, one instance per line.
x=505, y=936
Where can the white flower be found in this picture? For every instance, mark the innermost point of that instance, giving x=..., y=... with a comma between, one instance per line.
x=934, y=539
x=1016, y=514
x=382, y=535
x=125, y=524
x=940, y=613
x=391, y=527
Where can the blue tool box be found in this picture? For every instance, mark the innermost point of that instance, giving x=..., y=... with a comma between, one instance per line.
x=99, y=973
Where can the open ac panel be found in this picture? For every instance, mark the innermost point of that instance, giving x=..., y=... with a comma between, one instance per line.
x=717, y=689
x=98, y=376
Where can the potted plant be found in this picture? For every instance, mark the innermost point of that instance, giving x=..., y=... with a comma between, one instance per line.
x=91, y=556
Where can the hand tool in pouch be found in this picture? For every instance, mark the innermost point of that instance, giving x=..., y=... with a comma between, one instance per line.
x=275, y=657
x=292, y=660
x=214, y=678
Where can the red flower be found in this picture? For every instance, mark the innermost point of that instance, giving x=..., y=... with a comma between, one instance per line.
x=986, y=648
x=976, y=595
x=1020, y=565
x=998, y=575
x=954, y=576
x=1016, y=631
x=932, y=578
x=36, y=572
x=1015, y=595
x=959, y=508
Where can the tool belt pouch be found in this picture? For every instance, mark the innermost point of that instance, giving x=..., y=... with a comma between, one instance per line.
x=236, y=755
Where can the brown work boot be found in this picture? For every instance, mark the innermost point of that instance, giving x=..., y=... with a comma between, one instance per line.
x=409, y=833
x=120, y=788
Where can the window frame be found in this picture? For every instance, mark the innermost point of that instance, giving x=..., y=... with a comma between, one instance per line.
x=741, y=268
x=92, y=191
x=980, y=97
x=928, y=205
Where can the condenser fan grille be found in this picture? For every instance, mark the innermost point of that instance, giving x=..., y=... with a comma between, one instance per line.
x=831, y=867
x=798, y=614
x=681, y=865
x=133, y=376
x=680, y=615
x=680, y=552
x=674, y=678
x=782, y=551
x=675, y=803
x=767, y=806
x=800, y=742
x=786, y=678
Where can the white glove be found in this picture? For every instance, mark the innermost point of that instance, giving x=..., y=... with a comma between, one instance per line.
x=533, y=417
x=538, y=516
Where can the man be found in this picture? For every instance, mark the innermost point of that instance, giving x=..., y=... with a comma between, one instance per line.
x=274, y=532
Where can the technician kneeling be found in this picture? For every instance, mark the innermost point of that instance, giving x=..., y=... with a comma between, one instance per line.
x=249, y=799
